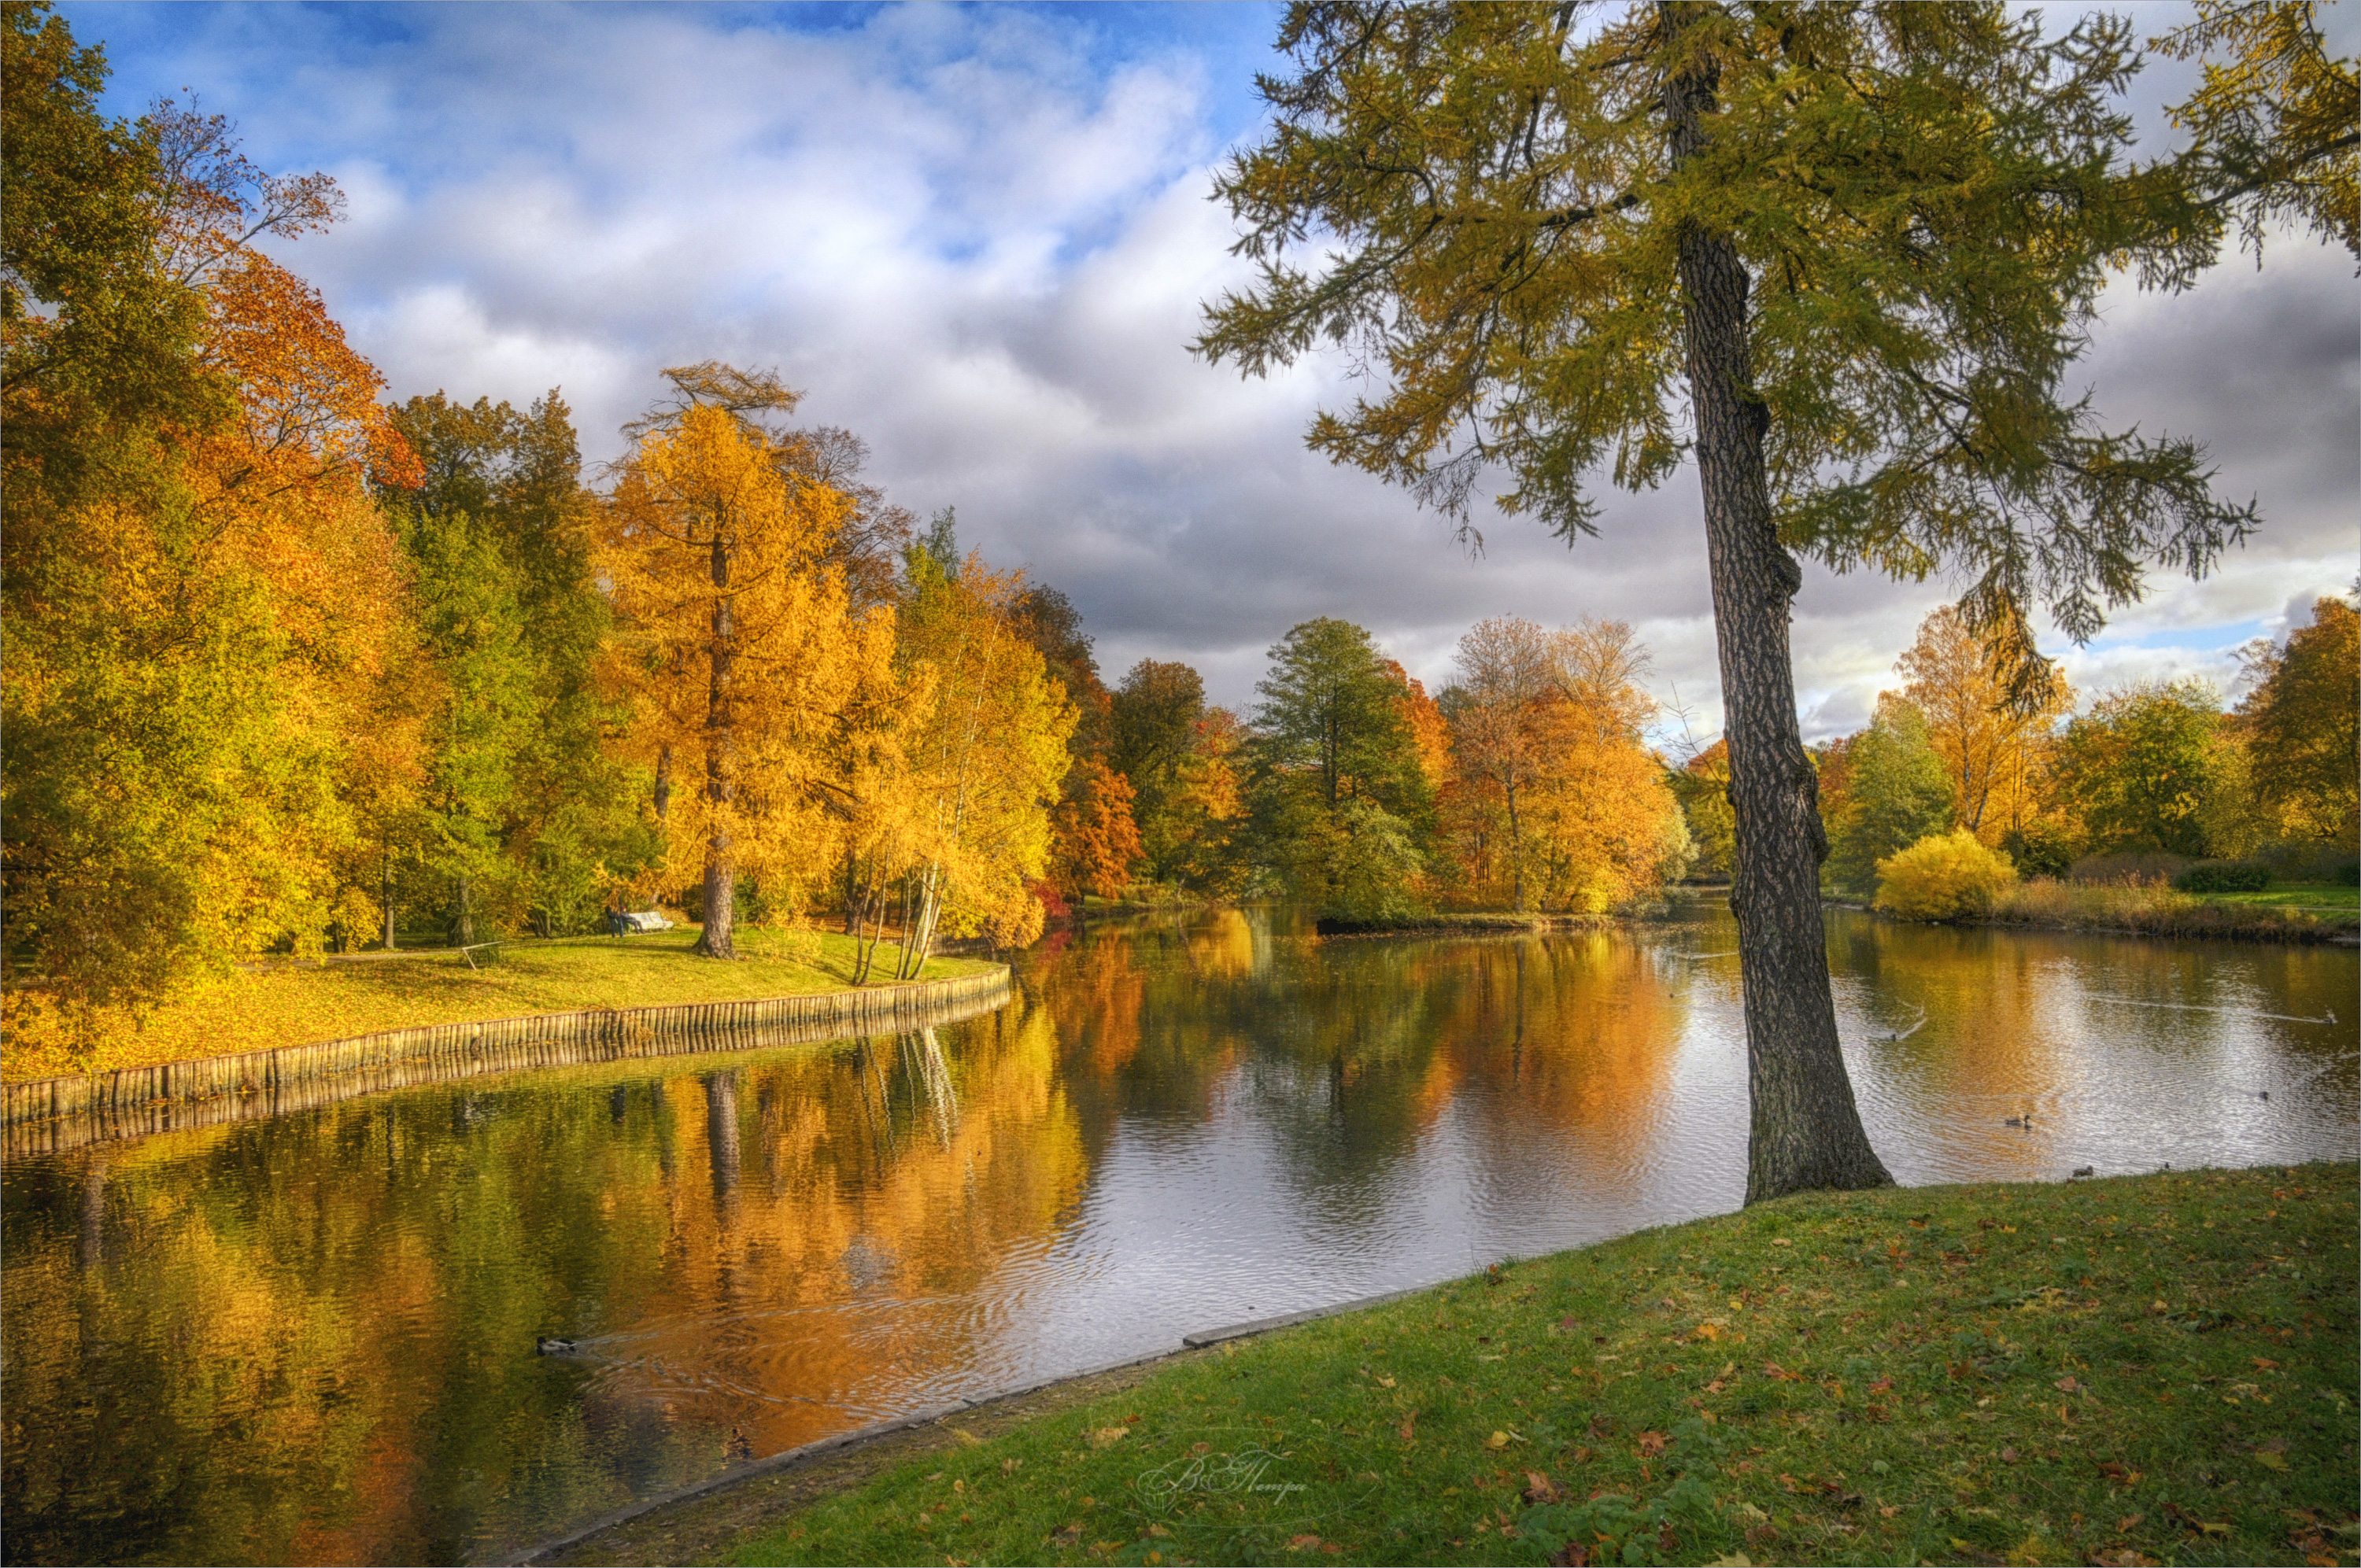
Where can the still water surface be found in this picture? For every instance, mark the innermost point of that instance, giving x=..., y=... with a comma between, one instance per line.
x=312, y=1339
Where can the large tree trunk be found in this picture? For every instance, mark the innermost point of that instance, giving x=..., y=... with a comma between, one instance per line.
x=721, y=776
x=1806, y=1131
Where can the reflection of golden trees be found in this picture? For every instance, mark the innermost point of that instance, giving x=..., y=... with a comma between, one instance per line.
x=1222, y=946
x=362, y=1292
x=1571, y=1039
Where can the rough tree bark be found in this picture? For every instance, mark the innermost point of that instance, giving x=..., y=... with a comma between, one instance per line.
x=720, y=773
x=1805, y=1132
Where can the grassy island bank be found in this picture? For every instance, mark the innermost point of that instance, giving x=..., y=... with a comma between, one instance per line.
x=2148, y=1369
x=340, y=998
x=2306, y=913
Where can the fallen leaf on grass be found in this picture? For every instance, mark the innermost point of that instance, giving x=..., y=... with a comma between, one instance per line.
x=1384, y=1382
x=1107, y=1437
x=1651, y=1443
x=2008, y=1456
x=1539, y=1489
x=2065, y=1385
x=1407, y=1422
x=1498, y=1439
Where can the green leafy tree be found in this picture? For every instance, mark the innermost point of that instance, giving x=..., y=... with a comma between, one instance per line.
x=1152, y=725
x=1843, y=255
x=1897, y=791
x=1337, y=796
x=2143, y=765
x=98, y=338
x=521, y=817
x=1331, y=715
x=2303, y=726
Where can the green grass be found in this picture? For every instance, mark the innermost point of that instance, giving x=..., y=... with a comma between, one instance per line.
x=2321, y=897
x=2143, y=1370
x=294, y=1005
x=2153, y=909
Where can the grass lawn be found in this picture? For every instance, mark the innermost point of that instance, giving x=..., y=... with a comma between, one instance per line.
x=296, y=1005
x=2319, y=898
x=2144, y=1370
x=2302, y=914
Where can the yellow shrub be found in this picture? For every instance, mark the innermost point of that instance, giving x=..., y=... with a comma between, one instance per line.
x=1943, y=876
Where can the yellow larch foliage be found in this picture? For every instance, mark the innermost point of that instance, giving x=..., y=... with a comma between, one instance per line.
x=986, y=758
x=745, y=661
x=1996, y=756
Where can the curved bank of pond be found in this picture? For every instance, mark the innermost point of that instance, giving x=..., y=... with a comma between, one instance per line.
x=49, y=1115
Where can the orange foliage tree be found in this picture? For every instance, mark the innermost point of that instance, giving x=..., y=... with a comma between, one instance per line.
x=1097, y=841
x=961, y=840
x=205, y=672
x=1989, y=721
x=737, y=639
x=1549, y=735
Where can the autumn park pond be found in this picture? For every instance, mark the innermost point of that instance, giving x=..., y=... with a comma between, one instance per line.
x=314, y=1339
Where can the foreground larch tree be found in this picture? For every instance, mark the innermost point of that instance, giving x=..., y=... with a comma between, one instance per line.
x=1841, y=256
x=736, y=637
x=2275, y=125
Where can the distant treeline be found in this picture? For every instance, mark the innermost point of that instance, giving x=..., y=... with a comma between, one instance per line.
x=2147, y=777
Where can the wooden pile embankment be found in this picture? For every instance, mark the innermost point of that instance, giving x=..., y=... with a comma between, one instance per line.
x=52, y=1114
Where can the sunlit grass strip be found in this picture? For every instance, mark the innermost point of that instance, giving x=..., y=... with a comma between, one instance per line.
x=2154, y=909
x=2139, y=1370
x=298, y=1005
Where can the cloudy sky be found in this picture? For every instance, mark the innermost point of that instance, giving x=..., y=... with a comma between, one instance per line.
x=979, y=237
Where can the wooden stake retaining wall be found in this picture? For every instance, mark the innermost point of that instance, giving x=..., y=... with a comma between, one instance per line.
x=50, y=1114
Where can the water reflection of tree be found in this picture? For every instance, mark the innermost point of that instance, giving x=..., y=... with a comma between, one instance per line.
x=311, y=1339
x=2022, y=1022
x=1352, y=1052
